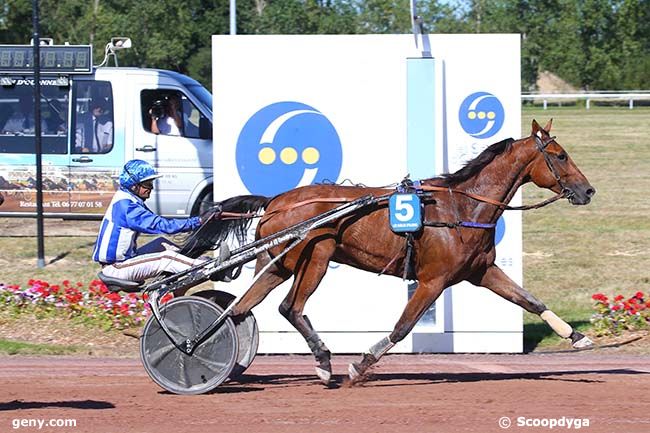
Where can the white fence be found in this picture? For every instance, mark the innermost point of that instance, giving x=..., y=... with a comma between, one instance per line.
x=629, y=96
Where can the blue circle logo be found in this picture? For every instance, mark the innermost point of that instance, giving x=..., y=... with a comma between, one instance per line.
x=285, y=145
x=500, y=230
x=481, y=115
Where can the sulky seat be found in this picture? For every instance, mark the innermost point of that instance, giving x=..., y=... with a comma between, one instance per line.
x=117, y=284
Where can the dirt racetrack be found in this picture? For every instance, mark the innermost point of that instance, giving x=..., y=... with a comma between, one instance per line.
x=406, y=393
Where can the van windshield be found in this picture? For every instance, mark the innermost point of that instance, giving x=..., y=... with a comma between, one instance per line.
x=201, y=94
x=17, y=126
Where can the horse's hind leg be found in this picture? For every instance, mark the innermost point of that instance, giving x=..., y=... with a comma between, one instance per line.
x=308, y=274
x=273, y=277
x=498, y=282
x=424, y=296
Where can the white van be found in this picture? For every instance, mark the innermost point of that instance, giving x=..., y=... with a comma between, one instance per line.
x=93, y=120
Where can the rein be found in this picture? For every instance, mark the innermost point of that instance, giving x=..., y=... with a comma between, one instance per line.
x=406, y=184
x=491, y=201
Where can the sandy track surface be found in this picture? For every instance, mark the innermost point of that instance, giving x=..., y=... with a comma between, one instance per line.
x=405, y=393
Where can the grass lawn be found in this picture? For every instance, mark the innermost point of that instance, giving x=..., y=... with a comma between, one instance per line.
x=572, y=252
x=19, y=348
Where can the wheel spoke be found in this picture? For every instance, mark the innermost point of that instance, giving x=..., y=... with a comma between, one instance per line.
x=210, y=363
x=158, y=355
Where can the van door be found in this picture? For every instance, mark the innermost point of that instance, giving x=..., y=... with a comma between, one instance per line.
x=18, y=148
x=176, y=138
x=95, y=155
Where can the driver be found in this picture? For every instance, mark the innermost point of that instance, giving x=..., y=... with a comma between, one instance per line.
x=126, y=217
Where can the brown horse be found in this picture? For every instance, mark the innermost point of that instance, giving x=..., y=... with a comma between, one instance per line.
x=442, y=256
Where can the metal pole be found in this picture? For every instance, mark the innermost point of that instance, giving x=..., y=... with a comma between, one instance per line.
x=233, y=17
x=37, y=135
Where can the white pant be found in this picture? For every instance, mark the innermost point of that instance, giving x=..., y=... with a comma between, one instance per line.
x=140, y=268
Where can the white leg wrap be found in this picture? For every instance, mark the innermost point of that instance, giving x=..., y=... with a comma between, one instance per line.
x=562, y=328
x=583, y=343
x=380, y=348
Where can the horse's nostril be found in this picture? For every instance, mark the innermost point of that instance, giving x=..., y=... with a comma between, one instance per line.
x=590, y=192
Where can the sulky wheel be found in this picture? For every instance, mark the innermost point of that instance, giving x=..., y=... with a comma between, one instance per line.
x=211, y=362
x=247, y=331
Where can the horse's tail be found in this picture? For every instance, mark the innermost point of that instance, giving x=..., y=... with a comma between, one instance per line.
x=229, y=218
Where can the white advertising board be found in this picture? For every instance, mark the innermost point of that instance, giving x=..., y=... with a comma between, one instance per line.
x=294, y=110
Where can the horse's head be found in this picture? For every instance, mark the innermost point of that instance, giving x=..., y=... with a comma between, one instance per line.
x=554, y=169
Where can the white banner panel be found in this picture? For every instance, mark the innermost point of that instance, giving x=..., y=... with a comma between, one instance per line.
x=295, y=110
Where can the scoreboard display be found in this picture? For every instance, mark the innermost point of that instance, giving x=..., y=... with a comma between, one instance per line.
x=58, y=59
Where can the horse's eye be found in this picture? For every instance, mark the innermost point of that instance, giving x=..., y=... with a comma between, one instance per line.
x=562, y=157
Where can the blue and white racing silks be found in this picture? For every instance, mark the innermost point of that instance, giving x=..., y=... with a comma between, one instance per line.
x=127, y=217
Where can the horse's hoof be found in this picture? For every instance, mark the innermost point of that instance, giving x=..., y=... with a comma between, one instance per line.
x=583, y=343
x=323, y=375
x=353, y=372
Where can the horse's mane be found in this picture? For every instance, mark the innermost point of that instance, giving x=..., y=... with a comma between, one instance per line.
x=477, y=164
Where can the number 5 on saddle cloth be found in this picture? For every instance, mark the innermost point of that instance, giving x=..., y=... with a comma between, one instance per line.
x=405, y=213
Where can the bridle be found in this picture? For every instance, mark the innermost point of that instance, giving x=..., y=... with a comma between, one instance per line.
x=541, y=146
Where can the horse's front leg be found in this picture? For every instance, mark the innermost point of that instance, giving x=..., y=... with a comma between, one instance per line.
x=425, y=295
x=498, y=282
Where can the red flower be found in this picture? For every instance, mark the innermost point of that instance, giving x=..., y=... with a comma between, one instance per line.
x=599, y=297
x=619, y=298
x=639, y=295
x=616, y=307
x=114, y=297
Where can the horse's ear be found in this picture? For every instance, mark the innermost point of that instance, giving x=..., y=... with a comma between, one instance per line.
x=549, y=124
x=536, y=128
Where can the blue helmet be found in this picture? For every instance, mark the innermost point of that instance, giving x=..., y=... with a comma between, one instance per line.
x=136, y=171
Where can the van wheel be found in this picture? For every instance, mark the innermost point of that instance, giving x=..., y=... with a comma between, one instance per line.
x=204, y=203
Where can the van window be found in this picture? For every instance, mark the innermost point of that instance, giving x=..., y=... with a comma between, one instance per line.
x=170, y=112
x=93, y=117
x=17, y=125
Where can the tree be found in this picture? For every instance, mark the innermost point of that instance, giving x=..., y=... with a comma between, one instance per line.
x=597, y=44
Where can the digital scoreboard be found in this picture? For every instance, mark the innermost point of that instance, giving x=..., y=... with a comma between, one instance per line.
x=57, y=59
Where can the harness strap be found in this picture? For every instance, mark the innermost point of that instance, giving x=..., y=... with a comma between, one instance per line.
x=409, y=255
x=408, y=246
x=492, y=201
x=267, y=215
x=236, y=215
x=467, y=224
x=383, y=271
